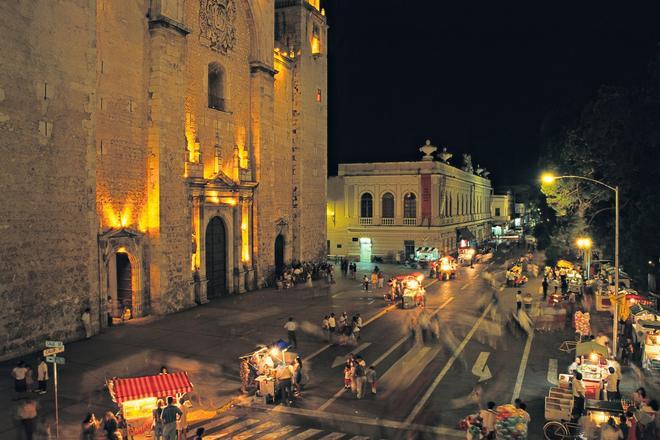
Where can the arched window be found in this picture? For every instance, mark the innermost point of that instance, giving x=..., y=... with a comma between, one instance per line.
x=387, y=206
x=410, y=206
x=217, y=95
x=366, y=206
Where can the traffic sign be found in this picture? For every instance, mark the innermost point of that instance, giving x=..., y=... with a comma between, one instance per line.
x=55, y=360
x=52, y=351
x=53, y=344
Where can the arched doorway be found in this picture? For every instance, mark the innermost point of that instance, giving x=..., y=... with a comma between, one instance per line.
x=279, y=254
x=124, y=282
x=216, y=258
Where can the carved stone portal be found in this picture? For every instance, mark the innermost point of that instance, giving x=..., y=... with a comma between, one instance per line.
x=216, y=19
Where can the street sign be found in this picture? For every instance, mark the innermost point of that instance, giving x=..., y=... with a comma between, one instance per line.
x=55, y=360
x=53, y=344
x=52, y=351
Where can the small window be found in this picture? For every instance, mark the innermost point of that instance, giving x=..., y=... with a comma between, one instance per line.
x=316, y=41
x=409, y=249
x=366, y=206
x=338, y=246
x=410, y=206
x=497, y=212
x=216, y=87
x=319, y=97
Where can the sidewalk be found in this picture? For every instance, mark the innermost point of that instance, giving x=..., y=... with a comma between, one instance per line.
x=205, y=341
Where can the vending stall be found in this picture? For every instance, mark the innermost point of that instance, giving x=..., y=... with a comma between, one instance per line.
x=445, y=268
x=593, y=366
x=137, y=397
x=413, y=291
x=258, y=370
x=650, y=347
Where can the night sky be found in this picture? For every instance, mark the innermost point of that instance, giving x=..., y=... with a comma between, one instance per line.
x=479, y=80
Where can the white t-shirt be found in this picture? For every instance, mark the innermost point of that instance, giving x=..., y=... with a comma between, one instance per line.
x=42, y=371
x=19, y=373
x=332, y=322
x=290, y=326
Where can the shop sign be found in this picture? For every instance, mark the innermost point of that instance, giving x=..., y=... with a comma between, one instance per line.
x=52, y=351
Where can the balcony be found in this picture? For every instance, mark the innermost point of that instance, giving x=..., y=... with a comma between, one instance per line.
x=387, y=221
x=217, y=103
x=366, y=221
x=410, y=221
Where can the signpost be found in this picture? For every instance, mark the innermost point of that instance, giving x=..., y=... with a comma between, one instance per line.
x=52, y=348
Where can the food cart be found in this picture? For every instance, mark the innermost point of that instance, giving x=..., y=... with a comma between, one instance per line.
x=515, y=277
x=413, y=291
x=137, y=397
x=650, y=345
x=259, y=369
x=594, y=367
x=445, y=268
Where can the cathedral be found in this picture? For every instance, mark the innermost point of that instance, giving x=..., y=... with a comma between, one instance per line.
x=156, y=154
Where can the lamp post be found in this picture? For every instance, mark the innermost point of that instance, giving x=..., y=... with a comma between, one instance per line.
x=584, y=244
x=549, y=178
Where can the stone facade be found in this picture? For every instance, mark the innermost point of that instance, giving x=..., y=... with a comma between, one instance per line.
x=156, y=149
x=388, y=209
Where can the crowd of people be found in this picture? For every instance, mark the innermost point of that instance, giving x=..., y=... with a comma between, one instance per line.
x=342, y=330
x=358, y=378
x=304, y=273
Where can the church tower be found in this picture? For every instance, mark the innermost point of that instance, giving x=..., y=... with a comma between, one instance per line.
x=301, y=31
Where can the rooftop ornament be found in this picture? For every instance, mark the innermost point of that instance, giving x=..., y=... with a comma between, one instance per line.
x=445, y=156
x=479, y=170
x=428, y=150
x=467, y=163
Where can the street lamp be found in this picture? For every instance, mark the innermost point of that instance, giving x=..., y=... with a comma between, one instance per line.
x=550, y=178
x=584, y=244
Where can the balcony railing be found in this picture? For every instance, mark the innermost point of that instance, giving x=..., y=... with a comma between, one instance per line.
x=409, y=221
x=386, y=221
x=366, y=220
x=216, y=102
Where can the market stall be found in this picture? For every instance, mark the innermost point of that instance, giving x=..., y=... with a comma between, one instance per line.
x=137, y=397
x=259, y=369
x=594, y=367
x=413, y=292
x=650, y=345
x=515, y=277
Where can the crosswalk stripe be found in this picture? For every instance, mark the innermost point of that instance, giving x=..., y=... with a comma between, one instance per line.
x=218, y=422
x=360, y=437
x=306, y=434
x=333, y=436
x=279, y=433
x=256, y=430
x=233, y=428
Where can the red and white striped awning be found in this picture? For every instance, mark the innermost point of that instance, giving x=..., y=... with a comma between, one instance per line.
x=162, y=385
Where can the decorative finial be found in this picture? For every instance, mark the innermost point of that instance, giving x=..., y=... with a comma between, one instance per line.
x=479, y=170
x=428, y=150
x=467, y=163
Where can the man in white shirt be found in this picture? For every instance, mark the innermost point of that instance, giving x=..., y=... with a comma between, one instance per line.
x=290, y=327
x=18, y=373
x=578, y=396
x=42, y=375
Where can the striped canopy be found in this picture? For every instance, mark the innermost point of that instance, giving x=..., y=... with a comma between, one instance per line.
x=162, y=385
x=426, y=249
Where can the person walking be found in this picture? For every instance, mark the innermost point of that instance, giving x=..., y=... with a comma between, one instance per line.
x=374, y=280
x=29, y=379
x=88, y=427
x=343, y=322
x=290, y=327
x=169, y=417
x=347, y=376
x=578, y=396
x=381, y=279
x=199, y=434
x=298, y=375
x=360, y=376
x=284, y=376
x=182, y=423
x=489, y=417
x=111, y=426
x=332, y=324
x=371, y=378
x=20, y=384
x=325, y=328
x=27, y=414
x=365, y=283
x=86, y=319
x=42, y=375
x=157, y=423
x=356, y=327
x=518, y=301
x=545, y=285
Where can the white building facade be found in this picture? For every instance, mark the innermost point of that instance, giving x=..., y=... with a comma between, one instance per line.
x=388, y=209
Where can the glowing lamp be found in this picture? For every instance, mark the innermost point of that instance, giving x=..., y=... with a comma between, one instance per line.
x=445, y=267
x=420, y=278
x=412, y=284
x=274, y=351
x=548, y=178
x=593, y=357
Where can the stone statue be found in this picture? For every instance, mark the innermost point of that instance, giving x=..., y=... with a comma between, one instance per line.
x=467, y=163
x=479, y=170
x=428, y=150
x=445, y=156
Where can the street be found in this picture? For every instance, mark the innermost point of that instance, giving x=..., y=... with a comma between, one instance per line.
x=423, y=389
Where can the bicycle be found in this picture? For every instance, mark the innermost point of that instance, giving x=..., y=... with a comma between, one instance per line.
x=557, y=430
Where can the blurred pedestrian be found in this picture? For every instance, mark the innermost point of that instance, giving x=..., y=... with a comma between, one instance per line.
x=489, y=417
x=42, y=375
x=157, y=421
x=182, y=423
x=290, y=327
x=365, y=283
x=108, y=307
x=518, y=300
x=374, y=279
x=298, y=375
x=18, y=373
x=29, y=379
x=325, y=328
x=360, y=376
x=545, y=285
x=111, y=426
x=86, y=319
x=347, y=376
x=88, y=427
x=371, y=378
x=199, y=434
x=27, y=414
x=381, y=279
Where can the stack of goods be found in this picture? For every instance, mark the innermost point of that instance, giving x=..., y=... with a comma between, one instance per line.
x=511, y=423
x=581, y=321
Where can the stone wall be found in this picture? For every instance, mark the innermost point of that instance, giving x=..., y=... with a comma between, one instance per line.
x=48, y=250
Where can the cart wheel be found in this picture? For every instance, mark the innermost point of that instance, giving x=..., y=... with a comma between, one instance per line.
x=555, y=431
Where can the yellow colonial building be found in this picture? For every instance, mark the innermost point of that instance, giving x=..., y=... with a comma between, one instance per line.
x=389, y=209
x=156, y=153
